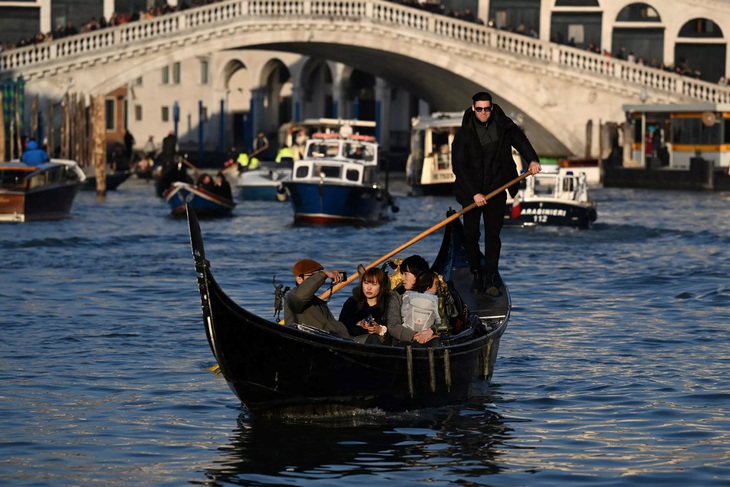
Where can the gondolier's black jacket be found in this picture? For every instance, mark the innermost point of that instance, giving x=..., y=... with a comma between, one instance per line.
x=469, y=161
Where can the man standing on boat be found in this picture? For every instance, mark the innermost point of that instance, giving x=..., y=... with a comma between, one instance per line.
x=482, y=162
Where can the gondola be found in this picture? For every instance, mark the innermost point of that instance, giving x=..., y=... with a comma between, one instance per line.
x=113, y=180
x=182, y=195
x=279, y=369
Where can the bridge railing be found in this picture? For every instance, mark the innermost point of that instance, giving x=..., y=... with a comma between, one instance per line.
x=178, y=24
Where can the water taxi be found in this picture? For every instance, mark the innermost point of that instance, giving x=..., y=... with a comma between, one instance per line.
x=337, y=181
x=673, y=147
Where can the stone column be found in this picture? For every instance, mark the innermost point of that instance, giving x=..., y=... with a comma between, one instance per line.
x=297, y=94
x=257, y=109
x=383, y=102
x=424, y=108
x=546, y=7
x=45, y=15
x=483, y=11
x=339, y=104
x=108, y=9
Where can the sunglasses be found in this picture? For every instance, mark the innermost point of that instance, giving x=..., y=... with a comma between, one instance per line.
x=482, y=109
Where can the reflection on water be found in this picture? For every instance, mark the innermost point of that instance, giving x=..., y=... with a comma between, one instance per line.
x=613, y=369
x=431, y=444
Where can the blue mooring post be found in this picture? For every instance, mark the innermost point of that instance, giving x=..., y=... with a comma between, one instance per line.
x=200, y=131
x=176, y=116
x=245, y=126
x=378, y=116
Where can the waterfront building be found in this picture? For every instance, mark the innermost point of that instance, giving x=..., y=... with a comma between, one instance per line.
x=222, y=97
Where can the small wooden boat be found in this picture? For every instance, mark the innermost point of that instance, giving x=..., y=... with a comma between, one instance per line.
x=552, y=198
x=113, y=180
x=265, y=183
x=204, y=203
x=296, y=369
x=337, y=182
x=42, y=192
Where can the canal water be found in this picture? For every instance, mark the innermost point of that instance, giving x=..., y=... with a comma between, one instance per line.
x=613, y=370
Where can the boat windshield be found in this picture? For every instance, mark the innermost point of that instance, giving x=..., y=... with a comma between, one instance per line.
x=545, y=185
x=12, y=179
x=325, y=148
x=359, y=152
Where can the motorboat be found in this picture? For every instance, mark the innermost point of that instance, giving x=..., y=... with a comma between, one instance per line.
x=38, y=192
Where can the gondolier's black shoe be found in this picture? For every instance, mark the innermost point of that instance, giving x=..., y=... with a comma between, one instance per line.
x=490, y=286
x=477, y=284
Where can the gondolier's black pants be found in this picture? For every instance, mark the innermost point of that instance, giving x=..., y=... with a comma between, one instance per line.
x=493, y=215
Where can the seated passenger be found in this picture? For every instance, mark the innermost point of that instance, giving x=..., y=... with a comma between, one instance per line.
x=33, y=154
x=302, y=306
x=205, y=182
x=365, y=311
x=410, y=268
x=222, y=187
x=420, y=309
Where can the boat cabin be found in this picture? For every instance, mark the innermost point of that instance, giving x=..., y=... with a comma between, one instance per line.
x=17, y=176
x=556, y=185
x=429, y=161
x=671, y=136
x=295, y=134
x=336, y=159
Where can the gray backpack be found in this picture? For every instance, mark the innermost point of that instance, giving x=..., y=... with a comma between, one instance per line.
x=418, y=313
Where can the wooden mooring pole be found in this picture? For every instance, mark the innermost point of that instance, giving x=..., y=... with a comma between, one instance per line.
x=99, y=127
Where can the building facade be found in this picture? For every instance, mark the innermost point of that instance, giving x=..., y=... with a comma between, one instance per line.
x=221, y=98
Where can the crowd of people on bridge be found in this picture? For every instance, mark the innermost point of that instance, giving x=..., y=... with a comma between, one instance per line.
x=117, y=18
x=682, y=67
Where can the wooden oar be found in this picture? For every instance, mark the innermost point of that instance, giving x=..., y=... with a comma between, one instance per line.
x=421, y=235
x=190, y=165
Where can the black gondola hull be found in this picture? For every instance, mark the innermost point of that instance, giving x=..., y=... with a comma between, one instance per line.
x=277, y=369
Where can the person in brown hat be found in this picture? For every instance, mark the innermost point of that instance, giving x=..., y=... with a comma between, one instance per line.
x=302, y=306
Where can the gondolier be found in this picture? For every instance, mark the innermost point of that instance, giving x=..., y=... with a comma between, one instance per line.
x=482, y=162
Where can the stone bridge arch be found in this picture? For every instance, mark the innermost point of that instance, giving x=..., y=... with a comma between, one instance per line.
x=442, y=60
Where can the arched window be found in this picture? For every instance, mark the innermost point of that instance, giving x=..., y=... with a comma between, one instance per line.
x=639, y=35
x=638, y=12
x=700, y=28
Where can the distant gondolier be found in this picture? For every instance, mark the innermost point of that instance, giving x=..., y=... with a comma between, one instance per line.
x=169, y=147
x=260, y=144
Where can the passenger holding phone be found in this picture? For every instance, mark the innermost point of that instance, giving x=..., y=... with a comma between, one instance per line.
x=364, y=312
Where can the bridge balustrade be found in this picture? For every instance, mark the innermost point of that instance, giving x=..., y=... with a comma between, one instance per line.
x=431, y=27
